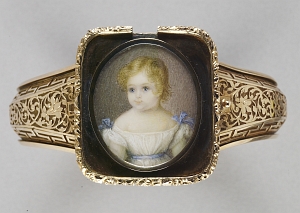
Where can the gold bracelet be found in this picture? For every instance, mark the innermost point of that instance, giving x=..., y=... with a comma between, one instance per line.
x=147, y=109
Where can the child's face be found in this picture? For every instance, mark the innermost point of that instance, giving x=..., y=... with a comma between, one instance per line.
x=142, y=93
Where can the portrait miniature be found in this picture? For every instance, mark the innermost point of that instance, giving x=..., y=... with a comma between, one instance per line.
x=147, y=134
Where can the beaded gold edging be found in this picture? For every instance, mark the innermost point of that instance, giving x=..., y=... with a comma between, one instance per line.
x=98, y=178
x=77, y=86
x=96, y=32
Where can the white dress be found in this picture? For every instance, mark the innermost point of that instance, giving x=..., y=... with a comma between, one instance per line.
x=147, y=149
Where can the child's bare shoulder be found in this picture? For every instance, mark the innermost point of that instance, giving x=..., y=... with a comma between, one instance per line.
x=122, y=120
x=167, y=117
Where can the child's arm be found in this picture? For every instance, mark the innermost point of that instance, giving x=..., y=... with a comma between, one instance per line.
x=180, y=139
x=178, y=147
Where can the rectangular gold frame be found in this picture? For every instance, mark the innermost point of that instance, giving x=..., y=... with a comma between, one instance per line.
x=147, y=181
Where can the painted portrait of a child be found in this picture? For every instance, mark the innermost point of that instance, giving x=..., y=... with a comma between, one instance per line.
x=146, y=134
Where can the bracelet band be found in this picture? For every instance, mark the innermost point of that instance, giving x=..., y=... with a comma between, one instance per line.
x=252, y=107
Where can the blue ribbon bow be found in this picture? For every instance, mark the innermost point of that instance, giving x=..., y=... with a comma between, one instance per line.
x=106, y=124
x=183, y=118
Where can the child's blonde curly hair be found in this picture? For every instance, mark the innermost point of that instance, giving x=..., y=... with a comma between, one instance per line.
x=156, y=71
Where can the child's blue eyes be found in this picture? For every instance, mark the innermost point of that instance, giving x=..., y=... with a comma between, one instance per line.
x=132, y=90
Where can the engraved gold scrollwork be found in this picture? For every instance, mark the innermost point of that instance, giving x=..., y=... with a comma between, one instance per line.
x=254, y=106
x=45, y=112
x=246, y=105
x=50, y=110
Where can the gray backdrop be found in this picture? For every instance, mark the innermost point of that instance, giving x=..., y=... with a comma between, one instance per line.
x=115, y=102
x=41, y=36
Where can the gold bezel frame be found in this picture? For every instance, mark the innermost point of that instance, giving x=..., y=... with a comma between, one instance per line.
x=147, y=181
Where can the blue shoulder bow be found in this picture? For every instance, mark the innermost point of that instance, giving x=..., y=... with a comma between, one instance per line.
x=106, y=124
x=183, y=118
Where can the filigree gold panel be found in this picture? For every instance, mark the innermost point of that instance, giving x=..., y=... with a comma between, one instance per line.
x=251, y=106
x=44, y=111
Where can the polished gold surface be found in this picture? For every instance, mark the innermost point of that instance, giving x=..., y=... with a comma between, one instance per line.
x=247, y=140
x=47, y=75
x=248, y=107
x=251, y=73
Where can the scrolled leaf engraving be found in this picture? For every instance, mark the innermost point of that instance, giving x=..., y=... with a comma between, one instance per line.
x=47, y=111
x=254, y=104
